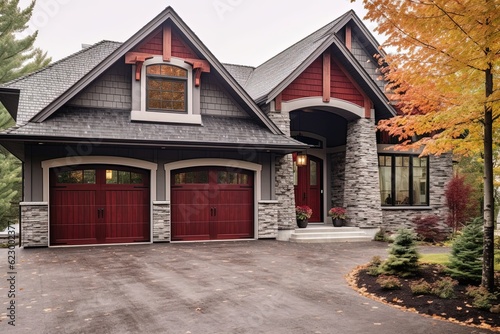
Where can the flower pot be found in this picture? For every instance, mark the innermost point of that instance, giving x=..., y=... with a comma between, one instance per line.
x=337, y=222
x=302, y=223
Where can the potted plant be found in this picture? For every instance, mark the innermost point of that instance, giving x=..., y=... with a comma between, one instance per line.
x=338, y=216
x=303, y=213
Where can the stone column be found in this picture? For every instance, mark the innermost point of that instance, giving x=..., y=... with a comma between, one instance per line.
x=284, y=180
x=34, y=224
x=362, y=189
x=161, y=221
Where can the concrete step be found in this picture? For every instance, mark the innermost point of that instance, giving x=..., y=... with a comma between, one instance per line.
x=325, y=239
x=326, y=229
x=322, y=233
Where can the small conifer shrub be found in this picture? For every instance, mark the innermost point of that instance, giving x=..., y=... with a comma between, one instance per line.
x=466, y=254
x=403, y=255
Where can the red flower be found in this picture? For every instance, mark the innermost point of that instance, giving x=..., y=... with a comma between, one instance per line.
x=303, y=212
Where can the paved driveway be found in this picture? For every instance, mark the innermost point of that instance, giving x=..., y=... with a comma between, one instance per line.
x=231, y=287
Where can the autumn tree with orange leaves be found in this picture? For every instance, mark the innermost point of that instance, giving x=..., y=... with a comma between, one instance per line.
x=443, y=77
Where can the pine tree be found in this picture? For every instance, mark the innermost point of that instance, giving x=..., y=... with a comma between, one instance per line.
x=403, y=255
x=18, y=57
x=466, y=254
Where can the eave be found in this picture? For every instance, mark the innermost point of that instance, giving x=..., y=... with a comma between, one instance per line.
x=15, y=140
x=10, y=99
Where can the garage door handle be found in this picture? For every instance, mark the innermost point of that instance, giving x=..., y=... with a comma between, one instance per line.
x=213, y=212
x=100, y=213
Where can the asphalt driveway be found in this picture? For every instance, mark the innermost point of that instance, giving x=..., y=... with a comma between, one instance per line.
x=230, y=287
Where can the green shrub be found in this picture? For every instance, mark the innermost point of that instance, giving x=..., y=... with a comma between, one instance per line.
x=389, y=282
x=421, y=287
x=483, y=299
x=374, y=266
x=403, y=255
x=381, y=235
x=466, y=254
x=444, y=288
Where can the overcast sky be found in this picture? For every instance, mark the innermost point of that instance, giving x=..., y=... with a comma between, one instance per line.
x=246, y=32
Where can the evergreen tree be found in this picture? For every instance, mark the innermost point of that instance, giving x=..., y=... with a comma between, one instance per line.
x=18, y=57
x=403, y=255
x=466, y=254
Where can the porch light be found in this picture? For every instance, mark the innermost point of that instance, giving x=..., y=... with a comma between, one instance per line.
x=301, y=159
x=109, y=174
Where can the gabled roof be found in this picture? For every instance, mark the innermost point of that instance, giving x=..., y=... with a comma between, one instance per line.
x=40, y=88
x=270, y=78
x=51, y=99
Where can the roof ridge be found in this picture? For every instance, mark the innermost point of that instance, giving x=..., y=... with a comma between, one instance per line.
x=249, y=66
x=57, y=62
x=306, y=37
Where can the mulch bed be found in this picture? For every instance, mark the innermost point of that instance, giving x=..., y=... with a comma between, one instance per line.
x=457, y=309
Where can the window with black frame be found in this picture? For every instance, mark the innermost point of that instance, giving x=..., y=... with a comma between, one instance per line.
x=404, y=180
x=166, y=88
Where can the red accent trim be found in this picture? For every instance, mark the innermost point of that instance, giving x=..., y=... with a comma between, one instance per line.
x=309, y=83
x=138, y=59
x=345, y=86
x=277, y=102
x=152, y=44
x=138, y=68
x=326, y=76
x=368, y=107
x=348, y=38
x=180, y=49
x=167, y=42
x=199, y=66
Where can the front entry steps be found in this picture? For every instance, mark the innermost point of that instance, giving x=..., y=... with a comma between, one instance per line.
x=320, y=233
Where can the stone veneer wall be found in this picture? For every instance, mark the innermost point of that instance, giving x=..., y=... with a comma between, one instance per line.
x=161, y=221
x=361, y=192
x=440, y=173
x=337, y=178
x=284, y=177
x=268, y=219
x=34, y=224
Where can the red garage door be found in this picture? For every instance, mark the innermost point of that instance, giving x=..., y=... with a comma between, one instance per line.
x=99, y=205
x=212, y=203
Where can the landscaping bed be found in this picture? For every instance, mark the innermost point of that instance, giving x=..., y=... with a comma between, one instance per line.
x=458, y=309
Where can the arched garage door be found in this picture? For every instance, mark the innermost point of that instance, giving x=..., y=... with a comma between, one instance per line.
x=212, y=203
x=99, y=205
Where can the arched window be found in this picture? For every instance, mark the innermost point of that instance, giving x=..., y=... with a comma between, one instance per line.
x=166, y=88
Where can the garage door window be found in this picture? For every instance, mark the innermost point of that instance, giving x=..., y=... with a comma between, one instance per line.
x=191, y=177
x=123, y=177
x=76, y=177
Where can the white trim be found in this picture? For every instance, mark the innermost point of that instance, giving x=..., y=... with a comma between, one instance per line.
x=190, y=117
x=345, y=109
x=207, y=162
x=101, y=160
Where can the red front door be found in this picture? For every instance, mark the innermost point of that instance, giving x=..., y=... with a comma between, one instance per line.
x=98, y=205
x=308, y=186
x=212, y=203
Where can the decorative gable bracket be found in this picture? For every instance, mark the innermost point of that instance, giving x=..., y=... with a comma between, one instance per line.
x=138, y=59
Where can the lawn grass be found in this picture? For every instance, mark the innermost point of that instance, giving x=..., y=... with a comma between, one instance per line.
x=443, y=258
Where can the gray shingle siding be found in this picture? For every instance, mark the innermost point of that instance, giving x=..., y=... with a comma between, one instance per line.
x=112, y=90
x=215, y=101
x=367, y=61
x=42, y=87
